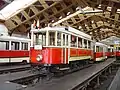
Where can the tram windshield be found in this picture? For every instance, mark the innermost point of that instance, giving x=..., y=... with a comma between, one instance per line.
x=118, y=49
x=40, y=39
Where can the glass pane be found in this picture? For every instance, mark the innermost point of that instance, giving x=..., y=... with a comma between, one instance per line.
x=118, y=48
x=52, y=38
x=108, y=49
x=40, y=39
x=58, y=39
x=85, y=43
x=24, y=46
x=4, y=45
x=14, y=45
x=67, y=40
x=44, y=39
x=101, y=49
x=97, y=48
x=73, y=41
x=79, y=42
x=63, y=39
x=89, y=44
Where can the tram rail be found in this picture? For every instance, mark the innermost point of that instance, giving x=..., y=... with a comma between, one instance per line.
x=13, y=68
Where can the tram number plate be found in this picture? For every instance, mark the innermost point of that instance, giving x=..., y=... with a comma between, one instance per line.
x=38, y=47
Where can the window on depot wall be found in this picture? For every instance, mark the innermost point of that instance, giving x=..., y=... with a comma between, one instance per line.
x=79, y=42
x=73, y=41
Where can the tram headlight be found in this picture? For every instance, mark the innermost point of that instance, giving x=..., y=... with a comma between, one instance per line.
x=39, y=58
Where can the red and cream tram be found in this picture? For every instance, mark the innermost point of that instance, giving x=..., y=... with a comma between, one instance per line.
x=111, y=52
x=60, y=46
x=14, y=49
x=118, y=52
x=100, y=51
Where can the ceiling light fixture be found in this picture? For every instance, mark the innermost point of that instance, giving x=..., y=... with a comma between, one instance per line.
x=68, y=13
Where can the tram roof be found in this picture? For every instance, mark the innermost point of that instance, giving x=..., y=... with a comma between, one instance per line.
x=17, y=39
x=101, y=44
x=68, y=30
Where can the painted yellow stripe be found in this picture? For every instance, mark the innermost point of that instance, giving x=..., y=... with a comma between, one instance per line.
x=79, y=58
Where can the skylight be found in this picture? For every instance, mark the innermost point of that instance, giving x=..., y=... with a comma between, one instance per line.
x=15, y=7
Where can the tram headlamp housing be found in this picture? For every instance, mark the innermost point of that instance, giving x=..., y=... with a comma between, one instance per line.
x=39, y=58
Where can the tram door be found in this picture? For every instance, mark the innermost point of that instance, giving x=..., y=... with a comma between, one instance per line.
x=104, y=51
x=65, y=48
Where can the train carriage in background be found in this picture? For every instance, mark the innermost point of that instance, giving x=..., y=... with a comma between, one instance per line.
x=14, y=49
x=117, y=54
x=60, y=47
x=111, y=51
x=100, y=52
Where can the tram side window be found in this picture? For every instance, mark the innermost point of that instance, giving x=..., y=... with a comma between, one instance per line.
x=52, y=38
x=58, y=39
x=101, y=49
x=24, y=46
x=14, y=45
x=89, y=44
x=4, y=45
x=97, y=48
x=109, y=50
x=79, y=42
x=118, y=48
x=40, y=39
x=85, y=43
x=73, y=41
x=63, y=39
x=67, y=40
x=44, y=39
x=112, y=50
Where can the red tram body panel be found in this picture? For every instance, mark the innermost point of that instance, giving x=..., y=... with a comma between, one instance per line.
x=49, y=56
x=56, y=55
x=100, y=52
x=111, y=52
x=117, y=53
x=13, y=54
